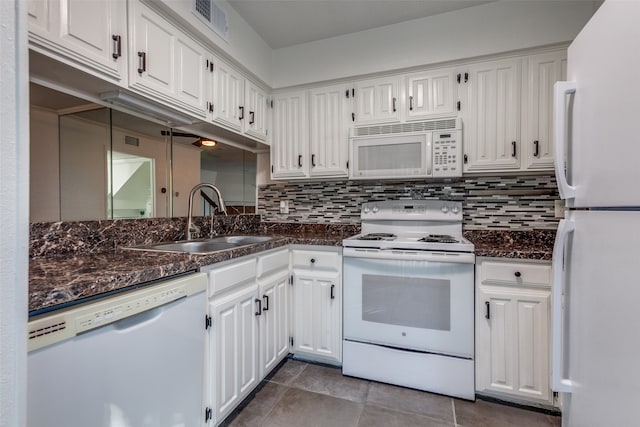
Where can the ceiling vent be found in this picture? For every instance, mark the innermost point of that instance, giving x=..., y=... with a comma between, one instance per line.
x=212, y=15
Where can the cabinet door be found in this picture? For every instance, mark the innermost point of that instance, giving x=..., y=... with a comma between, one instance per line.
x=92, y=34
x=542, y=73
x=430, y=94
x=152, y=56
x=490, y=108
x=40, y=18
x=377, y=101
x=228, y=96
x=289, y=146
x=274, y=330
x=235, y=350
x=317, y=316
x=256, y=106
x=512, y=345
x=190, y=73
x=329, y=131
x=165, y=63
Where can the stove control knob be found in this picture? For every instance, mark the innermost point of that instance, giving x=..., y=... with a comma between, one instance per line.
x=375, y=209
x=366, y=209
x=444, y=209
x=455, y=209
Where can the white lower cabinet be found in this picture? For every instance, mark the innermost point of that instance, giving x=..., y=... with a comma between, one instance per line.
x=273, y=279
x=248, y=327
x=235, y=349
x=317, y=304
x=513, y=329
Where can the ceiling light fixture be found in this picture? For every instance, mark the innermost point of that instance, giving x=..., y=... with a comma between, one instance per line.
x=205, y=142
x=200, y=142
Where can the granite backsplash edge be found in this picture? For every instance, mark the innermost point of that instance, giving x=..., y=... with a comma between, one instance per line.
x=92, y=237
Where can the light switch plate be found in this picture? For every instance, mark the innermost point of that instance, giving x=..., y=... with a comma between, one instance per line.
x=284, y=206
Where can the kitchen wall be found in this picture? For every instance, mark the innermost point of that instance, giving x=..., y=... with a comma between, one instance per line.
x=509, y=202
x=44, y=173
x=487, y=29
x=244, y=45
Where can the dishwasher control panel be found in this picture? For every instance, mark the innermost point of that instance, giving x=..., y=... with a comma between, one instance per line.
x=110, y=314
x=66, y=323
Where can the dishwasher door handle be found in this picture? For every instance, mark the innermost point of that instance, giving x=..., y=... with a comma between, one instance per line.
x=141, y=319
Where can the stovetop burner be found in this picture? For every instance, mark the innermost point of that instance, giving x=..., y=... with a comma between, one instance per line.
x=377, y=236
x=439, y=238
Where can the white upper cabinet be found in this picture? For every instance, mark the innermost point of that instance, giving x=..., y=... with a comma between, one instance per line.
x=543, y=70
x=490, y=108
x=228, y=96
x=165, y=63
x=90, y=35
x=329, y=121
x=257, y=108
x=377, y=101
x=236, y=102
x=290, y=140
x=430, y=94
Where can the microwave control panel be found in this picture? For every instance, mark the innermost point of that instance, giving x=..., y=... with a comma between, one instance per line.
x=447, y=153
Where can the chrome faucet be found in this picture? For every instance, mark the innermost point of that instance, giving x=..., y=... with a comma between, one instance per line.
x=190, y=225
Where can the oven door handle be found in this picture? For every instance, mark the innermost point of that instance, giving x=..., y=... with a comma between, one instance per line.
x=402, y=254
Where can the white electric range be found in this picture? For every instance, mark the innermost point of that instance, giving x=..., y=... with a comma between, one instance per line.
x=409, y=297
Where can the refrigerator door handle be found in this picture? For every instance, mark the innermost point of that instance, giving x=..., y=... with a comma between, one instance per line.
x=560, y=90
x=558, y=383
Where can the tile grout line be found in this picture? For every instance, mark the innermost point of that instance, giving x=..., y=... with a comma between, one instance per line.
x=402, y=411
x=453, y=408
x=265, y=416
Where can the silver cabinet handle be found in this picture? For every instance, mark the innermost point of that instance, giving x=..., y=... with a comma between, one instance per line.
x=142, y=62
x=117, y=46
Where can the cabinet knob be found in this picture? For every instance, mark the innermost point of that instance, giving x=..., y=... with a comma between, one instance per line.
x=518, y=274
x=313, y=260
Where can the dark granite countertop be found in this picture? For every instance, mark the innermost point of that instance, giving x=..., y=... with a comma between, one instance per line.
x=536, y=244
x=55, y=281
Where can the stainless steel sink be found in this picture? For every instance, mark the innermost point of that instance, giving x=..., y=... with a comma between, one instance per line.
x=241, y=240
x=203, y=246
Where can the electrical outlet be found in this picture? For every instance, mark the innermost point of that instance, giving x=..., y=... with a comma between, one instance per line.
x=559, y=209
x=284, y=206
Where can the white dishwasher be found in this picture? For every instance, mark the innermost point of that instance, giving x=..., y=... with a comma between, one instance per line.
x=131, y=360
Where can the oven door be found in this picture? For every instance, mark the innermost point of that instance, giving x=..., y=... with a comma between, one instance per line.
x=410, y=299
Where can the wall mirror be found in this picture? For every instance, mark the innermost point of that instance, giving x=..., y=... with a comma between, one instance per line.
x=89, y=162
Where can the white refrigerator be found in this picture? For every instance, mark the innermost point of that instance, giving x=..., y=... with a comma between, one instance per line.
x=596, y=258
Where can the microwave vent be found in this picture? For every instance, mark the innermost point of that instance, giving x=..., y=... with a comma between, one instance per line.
x=430, y=125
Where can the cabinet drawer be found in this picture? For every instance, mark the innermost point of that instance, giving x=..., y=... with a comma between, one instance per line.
x=316, y=260
x=515, y=273
x=232, y=275
x=273, y=262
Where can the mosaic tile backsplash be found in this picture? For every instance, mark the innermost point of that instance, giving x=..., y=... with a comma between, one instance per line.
x=509, y=203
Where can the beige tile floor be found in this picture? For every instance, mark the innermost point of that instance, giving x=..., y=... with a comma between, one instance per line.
x=307, y=395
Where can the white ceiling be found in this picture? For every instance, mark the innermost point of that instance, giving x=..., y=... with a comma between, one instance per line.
x=283, y=23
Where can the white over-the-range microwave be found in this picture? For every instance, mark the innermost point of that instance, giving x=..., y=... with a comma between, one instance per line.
x=428, y=149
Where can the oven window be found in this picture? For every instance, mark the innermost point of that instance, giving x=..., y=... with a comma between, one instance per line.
x=416, y=302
